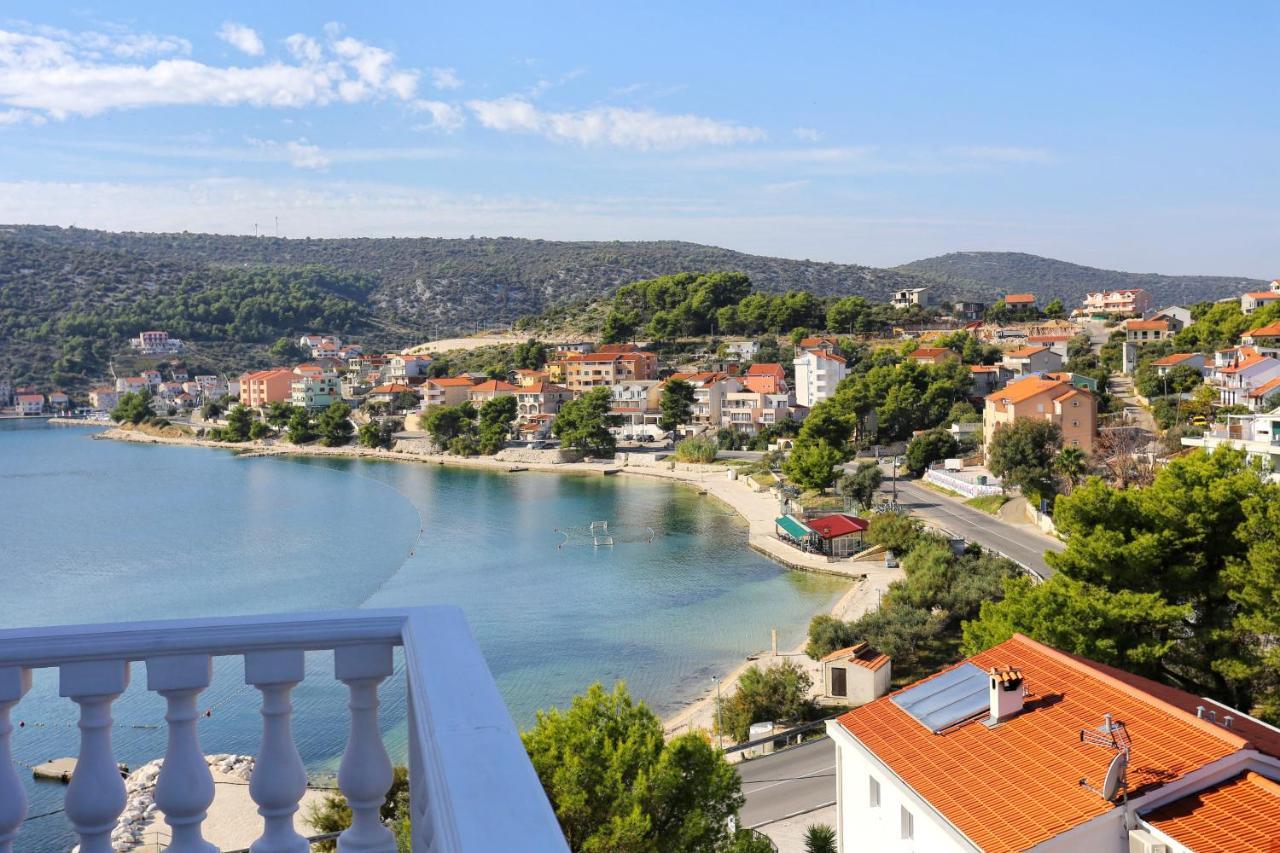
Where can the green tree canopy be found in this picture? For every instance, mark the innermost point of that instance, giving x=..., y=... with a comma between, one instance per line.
x=239, y=422
x=445, y=423
x=333, y=425
x=133, y=408
x=812, y=464
x=861, y=483
x=929, y=447
x=675, y=404
x=584, y=423
x=779, y=692
x=1022, y=454
x=615, y=785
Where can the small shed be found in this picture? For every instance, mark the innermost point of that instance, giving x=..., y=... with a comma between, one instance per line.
x=841, y=534
x=856, y=675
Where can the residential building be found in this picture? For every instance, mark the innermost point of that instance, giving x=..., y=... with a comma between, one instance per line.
x=535, y=428
x=988, y=378
x=1194, y=360
x=818, y=371
x=1250, y=302
x=709, y=393
x=855, y=675
x=1243, y=376
x=575, y=347
x=751, y=411
x=934, y=355
x=29, y=404
x=315, y=392
x=766, y=378
x=1127, y=301
x=104, y=399
x=540, y=398
x=1258, y=435
x=58, y=401
x=968, y=310
x=155, y=343
x=152, y=377
x=132, y=384
x=1138, y=333
x=910, y=296
x=742, y=350
x=489, y=390
x=266, y=386
x=525, y=377
x=389, y=393
x=178, y=373
x=324, y=367
x=1023, y=747
x=6, y=392
x=583, y=371
x=1028, y=360
x=447, y=391
x=321, y=346
x=1073, y=410
x=401, y=367
x=1020, y=300
x=1177, y=316
x=637, y=406
x=1265, y=339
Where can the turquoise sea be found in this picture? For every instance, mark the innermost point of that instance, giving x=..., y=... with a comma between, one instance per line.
x=99, y=531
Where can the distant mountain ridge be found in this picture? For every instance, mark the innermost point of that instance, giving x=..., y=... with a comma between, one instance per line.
x=1013, y=272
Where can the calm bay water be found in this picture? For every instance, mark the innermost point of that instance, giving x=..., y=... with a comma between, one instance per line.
x=98, y=531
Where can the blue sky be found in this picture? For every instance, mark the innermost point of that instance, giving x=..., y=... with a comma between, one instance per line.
x=1138, y=136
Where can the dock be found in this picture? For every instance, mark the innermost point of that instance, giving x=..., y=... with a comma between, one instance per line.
x=57, y=770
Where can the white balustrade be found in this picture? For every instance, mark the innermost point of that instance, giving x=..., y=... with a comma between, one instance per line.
x=365, y=772
x=184, y=790
x=96, y=795
x=472, y=786
x=14, y=684
x=279, y=779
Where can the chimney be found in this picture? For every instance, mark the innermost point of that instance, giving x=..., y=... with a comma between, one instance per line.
x=1005, y=693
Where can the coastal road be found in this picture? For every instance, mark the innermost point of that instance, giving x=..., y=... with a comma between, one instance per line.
x=1022, y=544
x=789, y=782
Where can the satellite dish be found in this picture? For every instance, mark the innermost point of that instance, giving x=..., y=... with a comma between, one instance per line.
x=1115, y=776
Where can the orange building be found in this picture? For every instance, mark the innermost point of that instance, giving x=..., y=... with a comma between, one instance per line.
x=267, y=386
x=584, y=371
x=1073, y=410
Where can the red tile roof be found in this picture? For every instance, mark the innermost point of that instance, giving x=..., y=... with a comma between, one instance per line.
x=1025, y=352
x=1263, y=294
x=829, y=356
x=929, y=352
x=1016, y=785
x=493, y=386
x=836, y=524
x=1020, y=299
x=1266, y=389
x=451, y=382
x=860, y=654
x=1271, y=330
x=768, y=369
x=1147, y=325
x=1171, y=360
x=1016, y=392
x=761, y=384
x=1240, y=815
x=541, y=388
x=392, y=388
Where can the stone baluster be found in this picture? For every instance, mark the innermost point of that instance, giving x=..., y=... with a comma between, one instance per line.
x=184, y=788
x=96, y=795
x=14, y=684
x=279, y=779
x=365, y=772
x=421, y=828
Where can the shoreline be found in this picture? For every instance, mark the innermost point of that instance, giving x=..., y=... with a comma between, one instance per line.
x=757, y=509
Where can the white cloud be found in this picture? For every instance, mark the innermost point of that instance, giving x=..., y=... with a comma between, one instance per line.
x=446, y=117
x=15, y=117
x=242, y=38
x=304, y=155
x=58, y=76
x=445, y=78
x=871, y=159
x=626, y=128
x=808, y=134
x=297, y=152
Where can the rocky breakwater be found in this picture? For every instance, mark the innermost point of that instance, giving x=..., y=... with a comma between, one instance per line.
x=140, y=823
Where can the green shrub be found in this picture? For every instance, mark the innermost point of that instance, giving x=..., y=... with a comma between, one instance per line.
x=697, y=449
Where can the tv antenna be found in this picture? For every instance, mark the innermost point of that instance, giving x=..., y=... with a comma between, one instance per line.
x=1115, y=737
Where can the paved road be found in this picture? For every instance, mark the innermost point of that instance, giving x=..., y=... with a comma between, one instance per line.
x=1022, y=544
x=787, y=782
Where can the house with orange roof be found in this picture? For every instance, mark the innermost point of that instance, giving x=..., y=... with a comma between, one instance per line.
x=581, y=372
x=525, y=377
x=540, y=398
x=1074, y=410
x=1121, y=301
x=1265, y=339
x=933, y=355
x=490, y=389
x=766, y=378
x=1239, y=374
x=818, y=370
x=1020, y=300
x=1024, y=747
x=104, y=399
x=267, y=386
x=1031, y=359
x=855, y=675
x=636, y=406
x=446, y=391
x=29, y=404
x=710, y=389
x=1194, y=360
x=1250, y=302
x=389, y=393
x=988, y=377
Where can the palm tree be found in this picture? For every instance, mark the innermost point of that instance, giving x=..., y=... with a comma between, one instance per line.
x=1070, y=465
x=819, y=838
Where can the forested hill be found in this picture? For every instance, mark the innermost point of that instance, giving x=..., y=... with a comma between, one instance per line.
x=1012, y=272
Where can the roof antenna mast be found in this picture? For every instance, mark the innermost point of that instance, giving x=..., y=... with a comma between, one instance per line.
x=1113, y=736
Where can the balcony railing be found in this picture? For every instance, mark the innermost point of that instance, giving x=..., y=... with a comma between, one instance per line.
x=472, y=786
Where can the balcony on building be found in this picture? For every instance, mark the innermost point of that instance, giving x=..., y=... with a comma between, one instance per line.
x=472, y=785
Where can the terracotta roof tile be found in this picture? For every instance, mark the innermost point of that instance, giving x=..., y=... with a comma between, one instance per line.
x=1026, y=352
x=929, y=352
x=1020, y=299
x=1271, y=330
x=1240, y=815
x=1016, y=392
x=1171, y=360
x=1016, y=785
x=451, y=382
x=1147, y=325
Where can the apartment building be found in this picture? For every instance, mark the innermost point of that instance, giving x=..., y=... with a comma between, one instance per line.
x=267, y=386
x=709, y=393
x=818, y=371
x=1031, y=359
x=581, y=372
x=1258, y=435
x=446, y=391
x=540, y=398
x=637, y=405
x=315, y=392
x=1243, y=376
x=1127, y=301
x=1074, y=410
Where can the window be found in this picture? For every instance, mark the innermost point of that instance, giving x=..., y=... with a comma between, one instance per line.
x=874, y=791
x=1075, y=423
x=839, y=686
x=908, y=824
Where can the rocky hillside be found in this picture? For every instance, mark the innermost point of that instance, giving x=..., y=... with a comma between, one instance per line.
x=1013, y=272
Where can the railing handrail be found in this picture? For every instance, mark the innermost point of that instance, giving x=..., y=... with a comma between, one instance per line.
x=36, y=648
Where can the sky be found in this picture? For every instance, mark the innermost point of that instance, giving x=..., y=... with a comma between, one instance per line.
x=1139, y=136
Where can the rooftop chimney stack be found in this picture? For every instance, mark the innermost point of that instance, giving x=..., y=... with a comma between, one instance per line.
x=1005, y=693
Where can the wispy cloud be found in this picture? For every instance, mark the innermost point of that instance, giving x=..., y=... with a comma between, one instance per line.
x=446, y=117
x=616, y=126
x=445, y=79
x=242, y=38
x=873, y=159
x=58, y=75
x=300, y=153
x=808, y=134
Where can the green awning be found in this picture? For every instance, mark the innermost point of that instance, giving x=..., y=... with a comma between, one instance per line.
x=794, y=527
